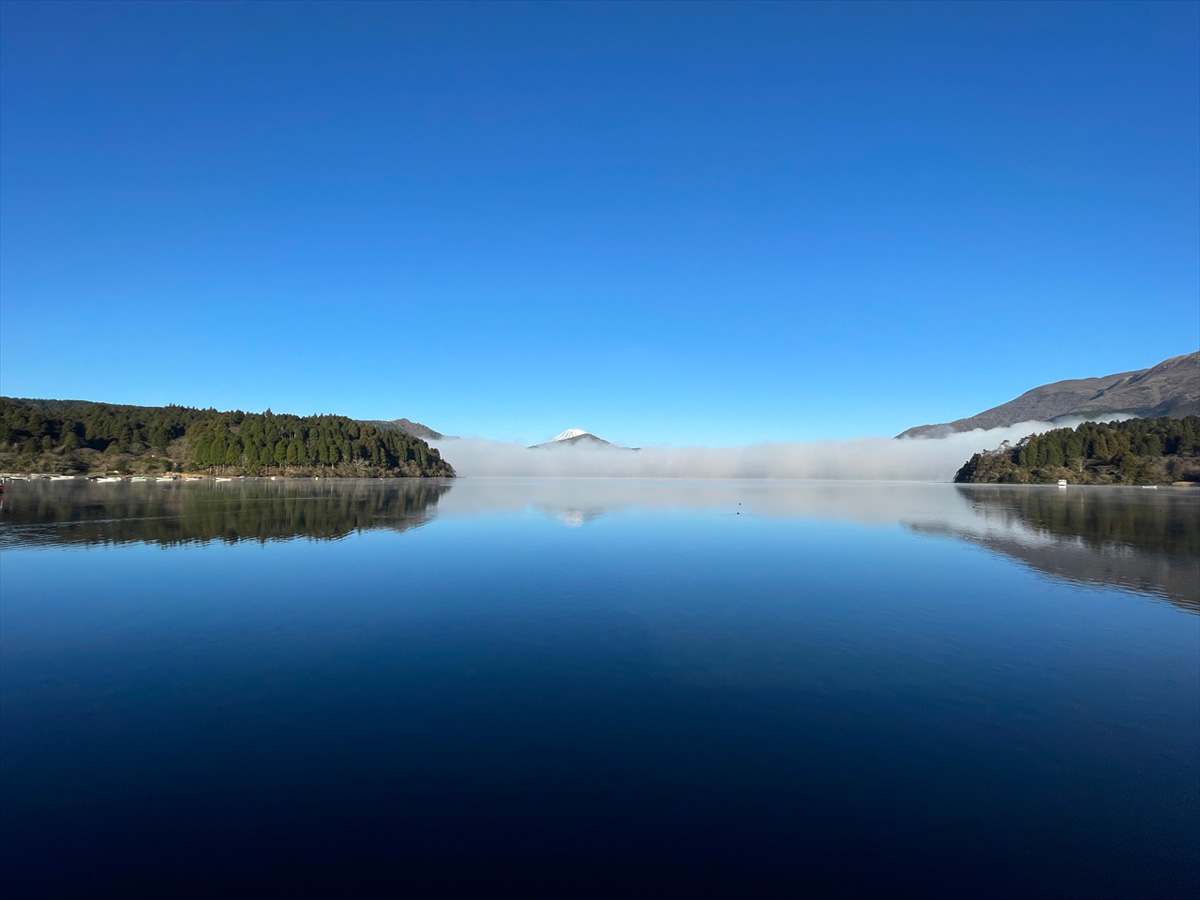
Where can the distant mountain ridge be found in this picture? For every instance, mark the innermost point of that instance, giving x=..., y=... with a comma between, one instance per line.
x=1171, y=388
x=407, y=426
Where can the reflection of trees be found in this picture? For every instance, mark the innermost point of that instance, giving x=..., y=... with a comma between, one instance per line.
x=182, y=513
x=1162, y=521
x=1117, y=538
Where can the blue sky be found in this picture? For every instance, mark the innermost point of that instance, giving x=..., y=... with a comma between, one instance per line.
x=667, y=224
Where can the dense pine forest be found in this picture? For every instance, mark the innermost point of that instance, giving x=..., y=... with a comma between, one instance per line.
x=81, y=437
x=1136, y=451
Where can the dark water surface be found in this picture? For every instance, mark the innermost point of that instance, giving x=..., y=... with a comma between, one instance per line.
x=519, y=687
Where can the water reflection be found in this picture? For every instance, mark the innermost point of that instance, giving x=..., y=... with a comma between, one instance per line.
x=1141, y=540
x=171, y=513
x=1145, y=541
x=582, y=501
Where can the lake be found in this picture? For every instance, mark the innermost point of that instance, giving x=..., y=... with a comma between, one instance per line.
x=598, y=687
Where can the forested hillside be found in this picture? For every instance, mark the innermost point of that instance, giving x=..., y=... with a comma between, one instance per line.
x=1136, y=451
x=70, y=436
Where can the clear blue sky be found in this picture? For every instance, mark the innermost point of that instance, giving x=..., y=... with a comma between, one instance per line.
x=675, y=223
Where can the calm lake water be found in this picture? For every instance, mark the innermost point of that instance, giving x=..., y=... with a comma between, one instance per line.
x=599, y=687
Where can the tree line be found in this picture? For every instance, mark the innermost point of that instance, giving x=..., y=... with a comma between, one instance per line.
x=1136, y=451
x=80, y=436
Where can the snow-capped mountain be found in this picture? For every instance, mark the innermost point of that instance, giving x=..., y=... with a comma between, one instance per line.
x=571, y=433
x=573, y=437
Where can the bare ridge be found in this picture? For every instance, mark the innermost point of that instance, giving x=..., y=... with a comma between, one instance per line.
x=1171, y=388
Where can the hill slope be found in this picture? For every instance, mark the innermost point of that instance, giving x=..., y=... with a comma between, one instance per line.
x=406, y=426
x=1171, y=388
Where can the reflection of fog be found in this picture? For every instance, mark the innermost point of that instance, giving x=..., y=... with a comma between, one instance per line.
x=1147, y=541
x=871, y=503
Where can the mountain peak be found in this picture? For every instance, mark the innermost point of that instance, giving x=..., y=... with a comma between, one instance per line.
x=568, y=434
x=573, y=437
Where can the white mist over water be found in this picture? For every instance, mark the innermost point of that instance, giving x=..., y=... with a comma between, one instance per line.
x=865, y=458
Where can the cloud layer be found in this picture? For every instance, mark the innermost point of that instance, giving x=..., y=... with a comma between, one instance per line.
x=865, y=458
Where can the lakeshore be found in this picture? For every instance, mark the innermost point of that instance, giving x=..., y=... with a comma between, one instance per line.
x=172, y=477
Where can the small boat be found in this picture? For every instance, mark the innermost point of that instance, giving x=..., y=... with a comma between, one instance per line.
x=142, y=478
x=108, y=479
x=1062, y=482
x=222, y=479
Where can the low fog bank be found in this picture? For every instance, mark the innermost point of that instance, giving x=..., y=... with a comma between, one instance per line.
x=865, y=458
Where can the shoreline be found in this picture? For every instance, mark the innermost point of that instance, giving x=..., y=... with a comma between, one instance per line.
x=191, y=477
